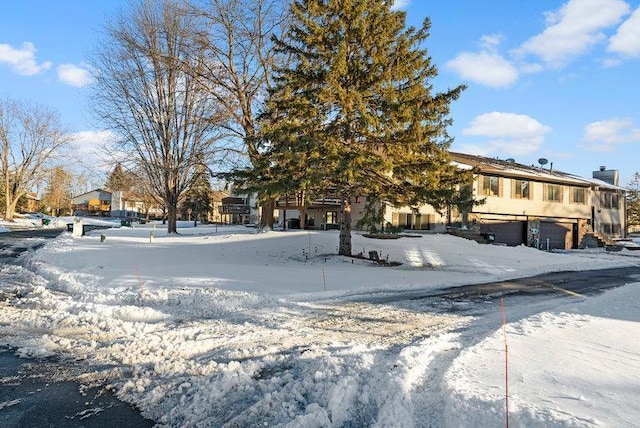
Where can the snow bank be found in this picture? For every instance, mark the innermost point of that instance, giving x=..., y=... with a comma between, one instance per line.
x=226, y=326
x=578, y=366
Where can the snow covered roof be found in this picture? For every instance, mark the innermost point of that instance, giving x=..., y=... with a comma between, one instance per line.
x=513, y=169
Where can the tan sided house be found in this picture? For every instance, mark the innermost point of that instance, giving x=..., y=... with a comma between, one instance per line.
x=530, y=205
x=538, y=206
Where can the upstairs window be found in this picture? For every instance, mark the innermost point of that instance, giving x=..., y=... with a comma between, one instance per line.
x=615, y=201
x=490, y=186
x=578, y=195
x=522, y=189
x=553, y=192
x=610, y=200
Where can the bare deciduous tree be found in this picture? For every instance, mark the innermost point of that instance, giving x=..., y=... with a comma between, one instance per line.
x=30, y=137
x=164, y=118
x=237, y=38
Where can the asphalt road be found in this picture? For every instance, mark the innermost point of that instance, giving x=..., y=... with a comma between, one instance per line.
x=30, y=397
x=48, y=392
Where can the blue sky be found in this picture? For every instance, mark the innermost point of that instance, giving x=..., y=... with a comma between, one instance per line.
x=546, y=79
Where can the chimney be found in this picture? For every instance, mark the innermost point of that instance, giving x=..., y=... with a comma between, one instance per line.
x=607, y=175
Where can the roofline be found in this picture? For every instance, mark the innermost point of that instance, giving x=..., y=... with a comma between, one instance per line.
x=90, y=191
x=499, y=167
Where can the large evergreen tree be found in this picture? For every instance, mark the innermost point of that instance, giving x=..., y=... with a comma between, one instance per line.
x=355, y=114
x=119, y=179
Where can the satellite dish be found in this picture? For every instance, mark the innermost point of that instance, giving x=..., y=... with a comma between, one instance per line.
x=542, y=161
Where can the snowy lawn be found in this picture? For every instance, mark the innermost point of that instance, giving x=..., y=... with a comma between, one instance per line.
x=227, y=326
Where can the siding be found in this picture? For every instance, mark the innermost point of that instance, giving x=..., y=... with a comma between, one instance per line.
x=535, y=207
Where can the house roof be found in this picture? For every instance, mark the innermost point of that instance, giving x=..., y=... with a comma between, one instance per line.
x=509, y=168
x=92, y=191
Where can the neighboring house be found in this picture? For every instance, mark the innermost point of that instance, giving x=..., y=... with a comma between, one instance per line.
x=215, y=215
x=124, y=208
x=527, y=205
x=103, y=203
x=318, y=213
x=235, y=210
x=94, y=203
x=32, y=202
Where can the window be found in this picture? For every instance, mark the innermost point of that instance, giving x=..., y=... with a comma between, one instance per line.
x=615, y=201
x=553, y=192
x=521, y=189
x=610, y=200
x=578, y=195
x=490, y=186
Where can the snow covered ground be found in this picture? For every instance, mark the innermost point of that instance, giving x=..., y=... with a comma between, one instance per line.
x=229, y=327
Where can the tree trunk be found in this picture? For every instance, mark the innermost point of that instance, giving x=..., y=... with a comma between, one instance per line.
x=7, y=195
x=284, y=214
x=266, y=217
x=303, y=216
x=344, y=249
x=8, y=215
x=11, y=202
x=172, y=213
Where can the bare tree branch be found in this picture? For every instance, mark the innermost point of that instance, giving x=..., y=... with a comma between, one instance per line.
x=30, y=136
x=165, y=118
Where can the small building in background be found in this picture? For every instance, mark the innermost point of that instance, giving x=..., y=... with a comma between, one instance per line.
x=215, y=215
x=31, y=202
x=95, y=203
x=123, y=208
x=235, y=210
x=103, y=203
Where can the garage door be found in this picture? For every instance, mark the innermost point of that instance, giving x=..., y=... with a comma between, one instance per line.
x=506, y=232
x=560, y=235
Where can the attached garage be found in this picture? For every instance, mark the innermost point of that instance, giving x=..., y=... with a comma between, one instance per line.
x=506, y=232
x=559, y=235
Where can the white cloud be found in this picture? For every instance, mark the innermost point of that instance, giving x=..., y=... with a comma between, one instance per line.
x=627, y=39
x=92, y=142
x=96, y=146
x=573, y=29
x=604, y=135
x=400, y=4
x=491, y=41
x=74, y=75
x=23, y=60
x=486, y=67
x=611, y=62
x=510, y=133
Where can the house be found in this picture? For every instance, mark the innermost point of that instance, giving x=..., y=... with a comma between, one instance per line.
x=234, y=210
x=31, y=202
x=93, y=203
x=528, y=205
x=103, y=203
x=541, y=207
x=318, y=213
x=215, y=215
